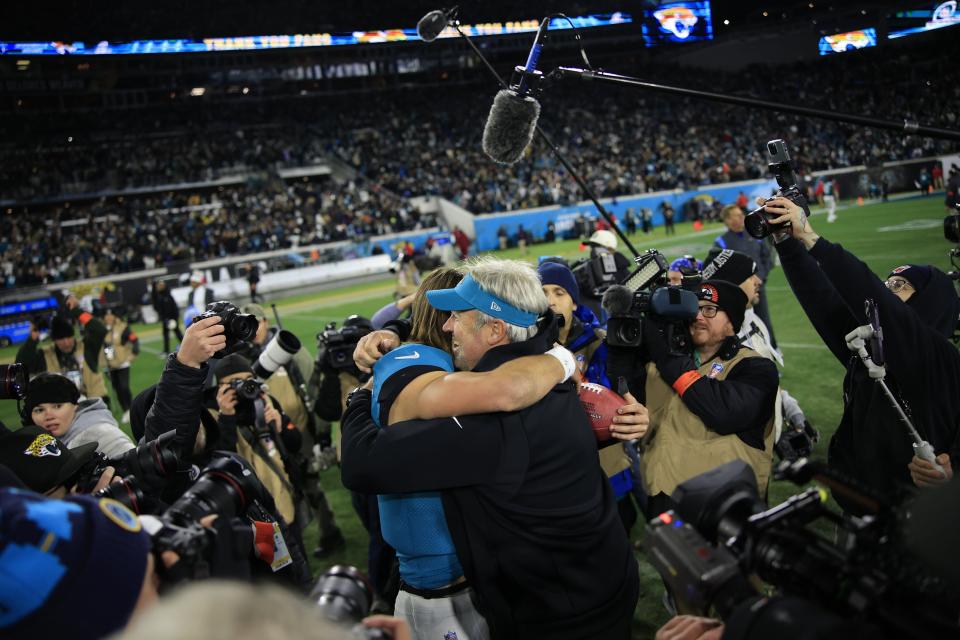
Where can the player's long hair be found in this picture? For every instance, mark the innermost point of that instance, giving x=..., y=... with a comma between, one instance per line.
x=427, y=322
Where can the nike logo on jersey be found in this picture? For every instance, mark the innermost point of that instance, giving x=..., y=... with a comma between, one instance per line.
x=413, y=356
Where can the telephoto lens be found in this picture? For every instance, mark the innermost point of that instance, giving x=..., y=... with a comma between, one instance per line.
x=278, y=353
x=127, y=492
x=225, y=487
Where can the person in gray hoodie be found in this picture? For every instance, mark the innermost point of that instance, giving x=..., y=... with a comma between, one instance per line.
x=53, y=403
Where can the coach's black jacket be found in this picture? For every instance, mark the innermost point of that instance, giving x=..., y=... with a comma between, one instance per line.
x=923, y=368
x=531, y=514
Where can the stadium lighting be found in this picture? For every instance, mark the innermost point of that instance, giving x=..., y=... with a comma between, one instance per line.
x=197, y=91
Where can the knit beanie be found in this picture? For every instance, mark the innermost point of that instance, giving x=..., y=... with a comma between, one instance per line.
x=560, y=275
x=731, y=266
x=917, y=275
x=61, y=327
x=233, y=363
x=59, y=557
x=49, y=387
x=729, y=297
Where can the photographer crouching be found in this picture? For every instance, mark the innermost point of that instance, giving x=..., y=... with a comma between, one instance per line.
x=917, y=309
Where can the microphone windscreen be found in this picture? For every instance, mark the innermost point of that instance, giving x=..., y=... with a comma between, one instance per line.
x=617, y=300
x=432, y=25
x=510, y=126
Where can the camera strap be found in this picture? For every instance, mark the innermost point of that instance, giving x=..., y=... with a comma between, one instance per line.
x=253, y=439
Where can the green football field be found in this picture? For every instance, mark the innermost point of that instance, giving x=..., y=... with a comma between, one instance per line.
x=883, y=235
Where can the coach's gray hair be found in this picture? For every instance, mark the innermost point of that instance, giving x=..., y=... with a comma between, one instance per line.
x=218, y=610
x=514, y=282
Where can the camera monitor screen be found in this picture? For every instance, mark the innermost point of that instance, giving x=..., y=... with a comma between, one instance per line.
x=673, y=22
x=850, y=41
x=933, y=15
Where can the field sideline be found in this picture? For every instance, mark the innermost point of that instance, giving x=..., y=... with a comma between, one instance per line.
x=884, y=235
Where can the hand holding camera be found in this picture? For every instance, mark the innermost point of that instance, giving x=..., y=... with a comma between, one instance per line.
x=784, y=211
x=227, y=400
x=202, y=339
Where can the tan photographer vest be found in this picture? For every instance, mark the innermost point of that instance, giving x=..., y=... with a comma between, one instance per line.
x=679, y=446
x=93, y=384
x=122, y=354
x=281, y=387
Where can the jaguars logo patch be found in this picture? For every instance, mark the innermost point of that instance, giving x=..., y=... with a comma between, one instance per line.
x=120, y=515
x=42, y=446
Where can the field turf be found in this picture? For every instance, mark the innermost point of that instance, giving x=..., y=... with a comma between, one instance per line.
x=884, y=235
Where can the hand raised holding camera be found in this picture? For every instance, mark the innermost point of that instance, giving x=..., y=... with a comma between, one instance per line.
x=201, y=340
x=227, y=400
x=786, y=211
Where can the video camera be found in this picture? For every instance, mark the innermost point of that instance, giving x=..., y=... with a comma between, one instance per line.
x=594, y=275
x=336, y=345
x=721, y=535
x=646, y=296
x=757, y=222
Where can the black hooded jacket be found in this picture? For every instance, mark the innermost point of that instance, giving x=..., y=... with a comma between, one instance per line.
x=530, y=511
x=922, y=366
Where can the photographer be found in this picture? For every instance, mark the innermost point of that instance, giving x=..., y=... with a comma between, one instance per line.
x=53, y=403
x=918, y=310
x=79, y=360
x=120, y=346
x=177, y=403
x=709, y=408
x=287, y=384
x=169, y=313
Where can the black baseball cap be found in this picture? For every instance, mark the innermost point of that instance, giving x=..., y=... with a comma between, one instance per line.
x=41, y=461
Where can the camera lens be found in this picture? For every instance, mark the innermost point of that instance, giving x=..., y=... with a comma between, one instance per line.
x=343, y=594
x=243, y=327
x=13, y=382
x=127, y=493
x=225, y=487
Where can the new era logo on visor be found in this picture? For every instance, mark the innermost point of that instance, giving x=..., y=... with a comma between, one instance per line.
x=495, y=307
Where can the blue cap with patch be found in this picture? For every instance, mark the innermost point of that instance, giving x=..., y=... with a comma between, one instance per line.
x=469, y=295
x=70, y=568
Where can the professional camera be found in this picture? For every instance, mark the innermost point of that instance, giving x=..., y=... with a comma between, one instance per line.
x=237, y=327
x=247, y=390
x=128, y=492
x=337, y=345
x=152, y=463
x=344, y=596
x=278, y=353
x=13, y=381
x=226, y=487
x=721, y=534
x=645, y=296
x=594, y=275
x=796, y=441
x=757, y=222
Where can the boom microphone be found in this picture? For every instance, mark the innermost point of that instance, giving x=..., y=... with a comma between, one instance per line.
x=617, y=300
x=513, y=116
x=432, y=25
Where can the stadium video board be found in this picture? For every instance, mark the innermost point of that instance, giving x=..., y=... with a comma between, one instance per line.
x=253, y=43
x=935, y=15
x=677, y=22
x=850, y=41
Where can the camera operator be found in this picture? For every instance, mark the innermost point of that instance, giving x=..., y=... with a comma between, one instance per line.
x=176, y=403
x=287, y=384
x=709, y=408
x=79, y=360
x=583, y=335
x=737, y=239
x=918, y=310
x=54, y=404
x=121, y=346
x=169, y=313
